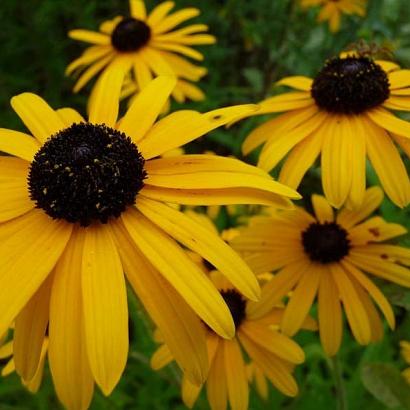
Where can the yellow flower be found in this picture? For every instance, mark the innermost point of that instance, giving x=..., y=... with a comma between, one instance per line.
x=342, y=114
x=332, y=10
x=325, y=256
x=146, y=46
x=273, y=353
x=405, y=352
x=82, y=202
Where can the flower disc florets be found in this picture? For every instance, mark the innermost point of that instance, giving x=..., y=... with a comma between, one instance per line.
x=350, y=85
x=325, y=242
x=86, y=173
x=236, y=304
x=130, y=34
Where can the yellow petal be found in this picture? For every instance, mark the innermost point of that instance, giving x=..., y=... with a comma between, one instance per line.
x=137, y=9
x=178, y=48
x=323, y=211
x=30, y=330
x=34, y=384
x=69, y=116
x=175, y=19
x=189, y=392
x=146, y=107
x=181, y=272
x=197, y=238
x=18, y=144
x=159, y=12
x=68, y=358
x=182, y=127
x=30, y=247
x=236, y=379
x=355, y=311
x=301, y=301
x=105, y=307
x=330, y=314
x=180, y=328
x=384, y=119
x=90, y=55
x=105, y=103
x=298, y=82
x=37, y=115
x=216, y=386
x=161, y=358
x=399, y=79
x=89, y=37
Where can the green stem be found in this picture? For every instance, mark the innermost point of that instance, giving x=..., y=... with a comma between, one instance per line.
x=339, y=384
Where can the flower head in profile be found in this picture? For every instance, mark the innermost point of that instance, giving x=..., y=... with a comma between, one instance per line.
x=343, y=114
x=147, y=45
x=332, y=10
x=82, y=202
x=274, y=354
x=405, y=352
x=327, y=257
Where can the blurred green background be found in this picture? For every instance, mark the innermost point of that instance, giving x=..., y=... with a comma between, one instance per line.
x=259, y=41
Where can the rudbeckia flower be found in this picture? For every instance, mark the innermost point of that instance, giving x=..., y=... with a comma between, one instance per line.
x=274, y=353
x=343, y=114
x=327, y=257
x=332, y=10
x=147, y=45
x=84, y=201
x=405, y=352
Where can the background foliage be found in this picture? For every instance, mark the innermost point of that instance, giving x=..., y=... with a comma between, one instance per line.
x=259, y=41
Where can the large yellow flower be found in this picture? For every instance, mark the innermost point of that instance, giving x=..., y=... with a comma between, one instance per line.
x=332, y=10
x=326, y=256
x=342, y=114
x=84, y=201
x=146, y=45
x=273, y=353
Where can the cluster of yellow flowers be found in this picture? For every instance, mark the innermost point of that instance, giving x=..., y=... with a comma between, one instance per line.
x=88, y=206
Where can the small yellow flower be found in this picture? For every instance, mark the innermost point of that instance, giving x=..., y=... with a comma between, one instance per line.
x=332, y=10
x=145, y=45
x=343, y=115
x=325, y=257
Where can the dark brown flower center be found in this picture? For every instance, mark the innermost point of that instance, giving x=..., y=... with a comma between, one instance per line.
x=130, y=34
x=350, y=85
x=236, y=304
x=86, y=173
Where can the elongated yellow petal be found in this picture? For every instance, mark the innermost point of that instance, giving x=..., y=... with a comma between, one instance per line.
x=323, y=211
x=142, y=72
x=19, y=144
x=175, y=19
x=399, y=79
x=336, y=159
x=298, y=82
x=185, y=126
x=372, y=200
x=216, y=386
x=178, y=48
x=68, y=358
x=91, y=55
x=223, y=196
x=137, y=9
x=374, y=292
x=180, y=328
x=198, y=238
x=37, y=115
x=389, y=122
x=29, y=248
x=330, y=314
x=280, y=144
x=275, y=369
x=161, y=357
x=146, y=107
x=88, y=36
x=34, y=384
x=189, y=392
x=159, y=12
x=105, y=101
x=276, y=289
x=236, y=380
x=301, y=301
x=273, y=341
x=105, y=307
x=355, y=311
x=30, y=330
x=69, y=116
x=181, y=272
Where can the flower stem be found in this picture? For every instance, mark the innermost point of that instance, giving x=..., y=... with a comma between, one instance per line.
x=339, y=384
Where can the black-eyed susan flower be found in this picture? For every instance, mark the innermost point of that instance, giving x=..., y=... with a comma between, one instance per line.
x=405, y=352
x=343, y=114
x=147, y=45
x=327, y=257
x=273, y=353
x=84, y=201
x=332, y=10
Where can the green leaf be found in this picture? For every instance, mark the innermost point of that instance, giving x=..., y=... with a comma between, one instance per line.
x=386, y=383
